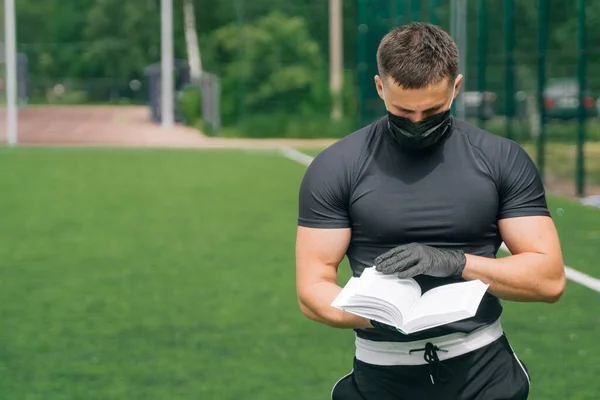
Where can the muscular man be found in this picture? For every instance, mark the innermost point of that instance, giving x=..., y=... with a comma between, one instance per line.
x=421, y=194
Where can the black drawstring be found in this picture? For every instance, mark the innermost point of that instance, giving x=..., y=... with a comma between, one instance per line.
x=433, y=360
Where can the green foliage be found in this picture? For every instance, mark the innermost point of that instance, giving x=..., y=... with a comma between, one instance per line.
x=276, y=85
x=274, y=61
x=564, y=132
x=189, y=104
x=291, y=126
x=121, y=47
x=75, y=97
x=323, y=100
x=271, y=55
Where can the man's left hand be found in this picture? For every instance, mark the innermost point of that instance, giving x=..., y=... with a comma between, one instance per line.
x=417, y=259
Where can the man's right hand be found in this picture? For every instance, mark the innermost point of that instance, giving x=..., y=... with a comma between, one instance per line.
x=382, y=326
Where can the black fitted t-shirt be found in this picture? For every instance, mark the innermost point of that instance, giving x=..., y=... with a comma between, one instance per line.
x=450, y=197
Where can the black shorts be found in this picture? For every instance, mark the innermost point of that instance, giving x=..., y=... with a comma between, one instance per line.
x=492, y=372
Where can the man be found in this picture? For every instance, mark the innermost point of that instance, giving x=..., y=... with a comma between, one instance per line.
x=420, y=194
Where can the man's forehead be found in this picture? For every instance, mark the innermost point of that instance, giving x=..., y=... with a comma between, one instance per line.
x=417, y=99
x=390, y=80
x=440, y=87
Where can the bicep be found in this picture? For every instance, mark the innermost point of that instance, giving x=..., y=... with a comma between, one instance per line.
x=523, y=218
x=324, y=195
x=318, y=254
x=521, y=189
x=534, y=234
x=324, y=223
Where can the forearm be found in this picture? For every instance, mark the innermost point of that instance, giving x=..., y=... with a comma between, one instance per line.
x=523, y=277
x=315, y=303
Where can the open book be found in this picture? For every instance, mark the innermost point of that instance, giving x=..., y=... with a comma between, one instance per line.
x=398, y=302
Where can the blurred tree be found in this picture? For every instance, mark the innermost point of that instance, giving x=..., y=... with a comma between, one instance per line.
x=49, y=32
x=122, y=38
x=281, y=64
x=116, y=39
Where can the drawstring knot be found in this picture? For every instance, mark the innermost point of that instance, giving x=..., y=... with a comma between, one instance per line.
x=431, y=357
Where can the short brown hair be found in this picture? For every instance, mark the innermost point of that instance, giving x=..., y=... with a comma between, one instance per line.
x=417, y=55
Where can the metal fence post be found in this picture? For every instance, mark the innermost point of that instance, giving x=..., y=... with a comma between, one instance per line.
x=241, y=88
x=433, y=13
x=458, y=31
x=362, y=67
x=541, y=83
x=509, y=93
x=481, y=57
x=581, y=115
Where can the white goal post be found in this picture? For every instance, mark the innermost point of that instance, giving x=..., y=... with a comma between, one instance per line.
x=10, y=59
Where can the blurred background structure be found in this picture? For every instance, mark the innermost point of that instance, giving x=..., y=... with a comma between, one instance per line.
x=277, y=68
x=125, y=274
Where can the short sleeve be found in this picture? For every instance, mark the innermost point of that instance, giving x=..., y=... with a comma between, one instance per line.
x=324, y=194
x=521, y=189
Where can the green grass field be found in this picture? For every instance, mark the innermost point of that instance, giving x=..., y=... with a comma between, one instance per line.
x=146, y=274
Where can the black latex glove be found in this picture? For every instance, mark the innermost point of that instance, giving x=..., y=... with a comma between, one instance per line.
x=418, y=259
x=385, y=327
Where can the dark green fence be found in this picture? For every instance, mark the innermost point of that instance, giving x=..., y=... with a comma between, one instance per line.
x=527, y=65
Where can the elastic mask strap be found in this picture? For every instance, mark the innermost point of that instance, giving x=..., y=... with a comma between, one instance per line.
x=453, y=93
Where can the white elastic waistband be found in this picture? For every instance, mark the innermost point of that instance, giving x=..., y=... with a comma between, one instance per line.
x=450, y=346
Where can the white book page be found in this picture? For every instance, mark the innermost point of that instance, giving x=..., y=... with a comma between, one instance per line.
x=401, y=293
x=348, y=291
x=449, y=303
x=432, y=321
x=365, y=307
x=378, y=309
x=373, y=313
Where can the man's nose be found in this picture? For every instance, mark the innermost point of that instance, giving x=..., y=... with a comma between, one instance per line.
x=417, y=116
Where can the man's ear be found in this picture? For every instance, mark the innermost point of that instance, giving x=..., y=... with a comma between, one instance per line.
x=457, y=84
x=379, y=86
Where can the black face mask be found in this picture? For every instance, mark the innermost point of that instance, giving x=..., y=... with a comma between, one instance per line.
x=420, y=135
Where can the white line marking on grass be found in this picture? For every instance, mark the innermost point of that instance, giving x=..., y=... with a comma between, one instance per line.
x=572, y=274
x=296, y=155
